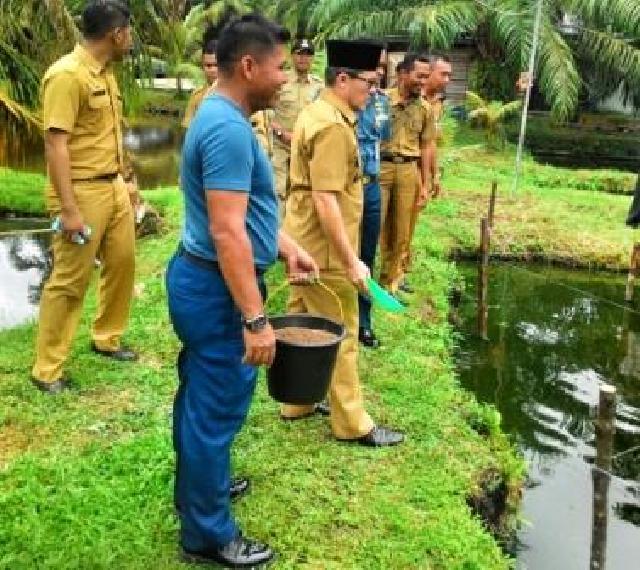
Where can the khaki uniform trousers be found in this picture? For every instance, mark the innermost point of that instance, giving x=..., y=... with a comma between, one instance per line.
x=408, y=258
x=281, y=171
x=106, y=208
x=349, y=419
x=400, y=187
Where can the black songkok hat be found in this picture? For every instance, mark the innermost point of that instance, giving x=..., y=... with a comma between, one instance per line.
x=359, y=55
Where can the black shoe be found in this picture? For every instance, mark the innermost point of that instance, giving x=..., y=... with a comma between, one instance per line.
x=406, y=288
x=239, y=553
x=238, y=487
x=381, y=437
x=123, y=354
x=323, y=408
x=52, y=387
x=367, y=338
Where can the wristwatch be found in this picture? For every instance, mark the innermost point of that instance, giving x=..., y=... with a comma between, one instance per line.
x=279, y=133
x=255, y=324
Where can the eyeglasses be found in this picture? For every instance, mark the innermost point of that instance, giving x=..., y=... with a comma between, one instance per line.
x=371, y=83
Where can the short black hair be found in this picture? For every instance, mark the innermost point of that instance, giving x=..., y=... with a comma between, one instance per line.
x=409, y=62
x=436, y=57
x=99, y=17
x=331, y=74
x=210, y=47
x=251, y=34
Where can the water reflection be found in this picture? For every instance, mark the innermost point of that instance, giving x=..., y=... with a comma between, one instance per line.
x=154, y=148
x=24, y=263
x=553, y=343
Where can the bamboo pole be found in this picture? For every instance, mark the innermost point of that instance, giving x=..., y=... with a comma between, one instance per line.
x=492, y=202
x=483, y=280
x=527, y=98
x=605, y=430
x=633, y=272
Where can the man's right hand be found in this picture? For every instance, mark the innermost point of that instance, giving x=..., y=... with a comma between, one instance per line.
x=358, y=273
x=72, y=222
x=260, y=347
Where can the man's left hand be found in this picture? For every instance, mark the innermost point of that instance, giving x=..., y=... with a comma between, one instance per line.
x=301, y=267
x=134, y=194
x=423, y=197
x=436, y=189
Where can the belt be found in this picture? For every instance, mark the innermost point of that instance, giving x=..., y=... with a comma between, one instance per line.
x=100, y=178
x=200, y=261
x=369, y=179
x=397, y=158
x=209, y=264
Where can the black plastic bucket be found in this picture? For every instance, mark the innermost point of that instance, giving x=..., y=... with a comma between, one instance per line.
x=300, y=373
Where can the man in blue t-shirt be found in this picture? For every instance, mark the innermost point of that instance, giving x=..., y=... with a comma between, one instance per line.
x=215, y=288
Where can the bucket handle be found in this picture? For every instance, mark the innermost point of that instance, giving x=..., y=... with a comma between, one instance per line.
x=318, y=283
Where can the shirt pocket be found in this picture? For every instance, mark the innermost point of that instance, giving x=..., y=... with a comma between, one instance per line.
x=416, y=122
x=99, y=105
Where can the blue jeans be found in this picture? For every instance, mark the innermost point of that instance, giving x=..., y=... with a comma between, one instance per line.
x=370, y=234
x=212, y=400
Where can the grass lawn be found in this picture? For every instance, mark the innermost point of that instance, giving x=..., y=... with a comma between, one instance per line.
x=557, y=214
x=87, y=477
x=21, y=192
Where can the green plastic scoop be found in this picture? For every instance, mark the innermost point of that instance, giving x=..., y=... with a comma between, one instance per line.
x=383, y=299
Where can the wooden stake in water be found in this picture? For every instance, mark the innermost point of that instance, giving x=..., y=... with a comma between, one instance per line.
x=492, y=202
x=483, y=280
x=605, y=430
x=633, y=271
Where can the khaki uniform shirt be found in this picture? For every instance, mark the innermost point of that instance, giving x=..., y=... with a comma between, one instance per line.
x=81, y=97
x=437, y=106
x=412, y=125
x=294, y=96
x=261, y=124
x=324, y=158
x=194, y=102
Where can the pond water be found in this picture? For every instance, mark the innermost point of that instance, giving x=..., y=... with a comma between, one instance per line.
x=154, y=147
x=554, y=337
x=24, y=262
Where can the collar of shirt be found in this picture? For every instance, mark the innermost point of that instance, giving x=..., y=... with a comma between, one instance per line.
x=83, y=55
x=295, y=78
x=396, y=100
x=231, y=102
x=347, y=112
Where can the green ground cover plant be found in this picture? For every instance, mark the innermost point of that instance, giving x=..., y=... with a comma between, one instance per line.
x=87, y=477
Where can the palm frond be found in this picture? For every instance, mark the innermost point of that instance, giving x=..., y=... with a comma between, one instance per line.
x=508, y=109
x=474, y=101
x=608, y=51
x=621, y=15
x=439, y=25
x=559, y=79
x=19, y=112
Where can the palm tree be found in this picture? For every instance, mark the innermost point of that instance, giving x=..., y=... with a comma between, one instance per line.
x=33, y=35
x=491, y=116
x=602, y=38
x=173, y=30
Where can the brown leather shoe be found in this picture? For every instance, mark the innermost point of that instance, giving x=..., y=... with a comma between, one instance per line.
x=52, y=388
x=123, y=354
